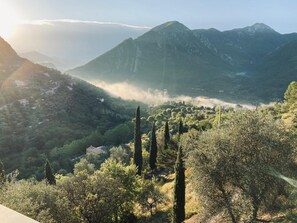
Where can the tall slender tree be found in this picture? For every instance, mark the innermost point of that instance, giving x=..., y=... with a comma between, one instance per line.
x=48, y=172
x=2, y=174
x=166, y=135
x=178, y=211
x=180, y=127
x=137, y=143
x=153, y=149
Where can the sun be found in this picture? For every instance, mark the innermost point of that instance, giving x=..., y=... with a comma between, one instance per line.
x=8, y=19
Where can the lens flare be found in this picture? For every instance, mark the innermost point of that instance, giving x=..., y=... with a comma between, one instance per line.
x=8, y=19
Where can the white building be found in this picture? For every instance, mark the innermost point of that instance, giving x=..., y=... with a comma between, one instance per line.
x=96, y=150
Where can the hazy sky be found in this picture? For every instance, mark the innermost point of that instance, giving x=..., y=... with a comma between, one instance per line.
x=222, y=14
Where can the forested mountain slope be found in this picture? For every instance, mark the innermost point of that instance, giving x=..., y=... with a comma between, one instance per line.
x=40, y=109
x=196, y=62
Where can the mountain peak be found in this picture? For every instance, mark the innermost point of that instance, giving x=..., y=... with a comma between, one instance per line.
x=258, y=27
x=171, y=26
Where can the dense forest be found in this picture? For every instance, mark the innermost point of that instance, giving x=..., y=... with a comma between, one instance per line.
x=185, y=163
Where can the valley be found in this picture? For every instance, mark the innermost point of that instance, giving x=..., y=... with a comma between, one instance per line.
x=108, y=117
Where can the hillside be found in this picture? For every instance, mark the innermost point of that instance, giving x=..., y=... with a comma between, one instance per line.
x=193, y=62
x=276, y=71
x=41, y=109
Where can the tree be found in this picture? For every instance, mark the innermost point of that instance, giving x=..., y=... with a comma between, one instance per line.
x=180, y=127
x=231, y=165
x=137, y=143
x=166, y=135
x=107, y=195
x=2, y=174
x=178, y=211
x=48, y=172
x=291, y=93
x=153, y=149
x=150, y=196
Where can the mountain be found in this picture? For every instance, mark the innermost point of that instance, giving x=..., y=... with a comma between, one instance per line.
x=40, y=109
x=192, y=62
x=276, y=71
x=164, y=57
x=244, y=47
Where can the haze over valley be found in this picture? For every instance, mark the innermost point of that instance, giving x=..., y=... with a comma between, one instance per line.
x=148, y=111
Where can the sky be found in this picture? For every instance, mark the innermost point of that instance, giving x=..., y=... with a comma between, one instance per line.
x=221, y=14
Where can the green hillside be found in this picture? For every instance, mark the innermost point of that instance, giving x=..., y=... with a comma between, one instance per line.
x=41, y=108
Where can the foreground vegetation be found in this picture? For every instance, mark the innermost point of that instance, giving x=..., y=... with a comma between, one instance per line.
x=187, y=162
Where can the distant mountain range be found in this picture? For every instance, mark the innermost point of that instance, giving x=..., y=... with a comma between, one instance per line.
x=70, y=42
x=41, y=109
x=41, y=59
x=252, y=64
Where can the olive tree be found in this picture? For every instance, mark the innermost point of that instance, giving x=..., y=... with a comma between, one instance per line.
x=231, y=165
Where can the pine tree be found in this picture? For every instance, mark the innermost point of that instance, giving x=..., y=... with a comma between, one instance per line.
x=178, y=211
x=137, y=143
x=153, y=149
x=48, y=172
x=180, y=127
x=166, y=135
x=2, y=174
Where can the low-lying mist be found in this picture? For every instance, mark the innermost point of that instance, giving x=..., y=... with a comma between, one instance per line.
x=127, y=91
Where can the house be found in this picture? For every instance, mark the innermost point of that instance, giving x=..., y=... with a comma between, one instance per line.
x=96, y=150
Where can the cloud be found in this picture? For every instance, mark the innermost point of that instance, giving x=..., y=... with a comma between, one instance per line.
x=127, y=91
x=52, y=22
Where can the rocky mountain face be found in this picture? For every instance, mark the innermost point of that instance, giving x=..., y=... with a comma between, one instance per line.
x=208, y=62
x=41, y=109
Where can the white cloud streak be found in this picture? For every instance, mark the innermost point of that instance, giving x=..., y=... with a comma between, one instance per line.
x=54, y=21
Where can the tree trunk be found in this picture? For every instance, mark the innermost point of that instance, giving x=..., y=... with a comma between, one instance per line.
x=228, y=205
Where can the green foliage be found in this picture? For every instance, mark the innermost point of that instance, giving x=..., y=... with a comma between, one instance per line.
x=126, y=175
x=119, y=134
x=291, y=93
x=84, y=166
x=150, y=196
x=48, y=173
x=166, y=135
x=179, y=191
x=167, y=156
x=137, y=143
x=91, y=197
x=120, y=154
x=37, y=200
x=2, y=174
x=180, y=127
x=153, y=149
x=52, y=111
x=235, y=161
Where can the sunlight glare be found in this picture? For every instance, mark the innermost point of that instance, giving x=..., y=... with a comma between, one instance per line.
x=8, y=19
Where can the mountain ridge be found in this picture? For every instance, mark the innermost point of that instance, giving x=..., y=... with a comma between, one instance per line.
x=203, y=62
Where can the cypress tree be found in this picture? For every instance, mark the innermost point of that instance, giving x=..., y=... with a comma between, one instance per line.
x=166, y=135
x=50, y=178
x=2, y=174
x=178, y=211
x=137, y=143
x=153, y=149
x=180, y=127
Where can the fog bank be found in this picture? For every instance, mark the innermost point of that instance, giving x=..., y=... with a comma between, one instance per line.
x=127, y=91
